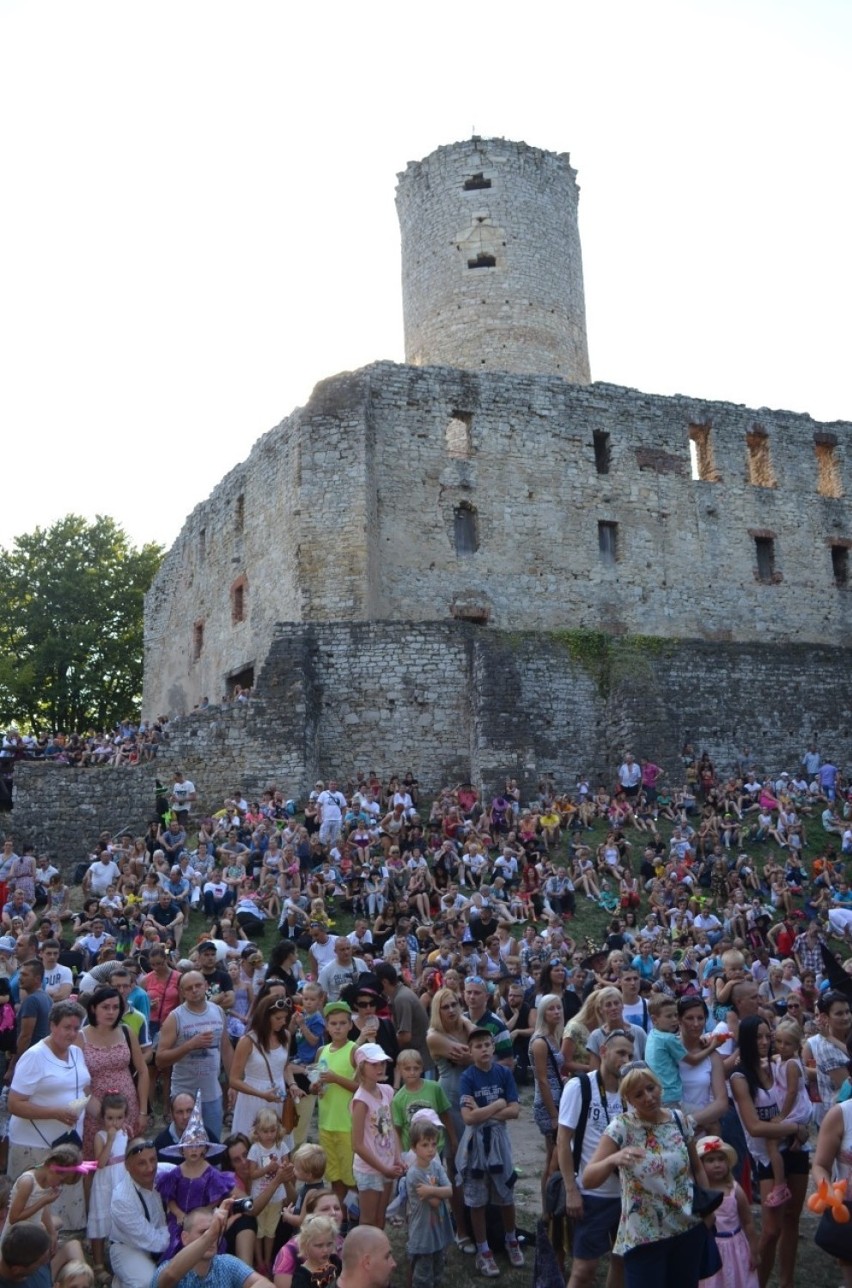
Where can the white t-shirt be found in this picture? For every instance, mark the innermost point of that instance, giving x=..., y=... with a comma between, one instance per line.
x=48, y=1081
x=104, y=875
x=598, y=1120
x=57, y=977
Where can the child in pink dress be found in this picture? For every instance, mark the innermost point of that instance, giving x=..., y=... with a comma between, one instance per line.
x=736, y=1237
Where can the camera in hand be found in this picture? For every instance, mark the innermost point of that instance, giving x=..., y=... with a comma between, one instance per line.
x=240, y=1206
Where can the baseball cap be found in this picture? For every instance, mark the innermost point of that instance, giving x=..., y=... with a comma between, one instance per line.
x=331, y=1007
x=206, y=946
x=371, y=1053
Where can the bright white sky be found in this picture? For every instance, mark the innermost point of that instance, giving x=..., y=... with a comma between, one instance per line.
x=198, y=216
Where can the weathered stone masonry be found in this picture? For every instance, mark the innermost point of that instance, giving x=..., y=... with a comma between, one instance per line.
x=452, y=700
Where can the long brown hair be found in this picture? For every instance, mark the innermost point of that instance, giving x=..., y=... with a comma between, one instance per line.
x=261, y=1022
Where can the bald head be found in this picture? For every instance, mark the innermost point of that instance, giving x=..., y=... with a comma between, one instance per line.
x=367, y=1259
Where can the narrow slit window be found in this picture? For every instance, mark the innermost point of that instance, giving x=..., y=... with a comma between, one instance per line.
x=197, y=641
x=466, y=530
x=239, y=598
x=760, y=471
x=828, y=469
x=765, y=551
x=608, y=542
x=240, y=513
x=840, y=565
x=202, y=544
x=602, y=451
x=458, y=436
x=701, y=456
x=482, y=261
x=476, y=182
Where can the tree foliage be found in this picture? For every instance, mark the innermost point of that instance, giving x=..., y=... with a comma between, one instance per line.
x=71, y=599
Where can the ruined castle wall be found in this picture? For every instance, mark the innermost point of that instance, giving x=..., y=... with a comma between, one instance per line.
x=451, y=700
x=492, y=273
x=229, y=577
x=404, y=494
x=584, y=513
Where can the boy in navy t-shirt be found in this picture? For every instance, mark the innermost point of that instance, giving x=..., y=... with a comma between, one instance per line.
x=488, y=1099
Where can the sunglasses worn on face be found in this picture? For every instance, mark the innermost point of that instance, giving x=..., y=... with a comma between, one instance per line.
x=364, y=1002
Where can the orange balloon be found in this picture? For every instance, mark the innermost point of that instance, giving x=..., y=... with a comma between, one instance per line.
x=841, y=1213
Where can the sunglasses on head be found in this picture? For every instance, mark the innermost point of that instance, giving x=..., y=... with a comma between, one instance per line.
x=280, y=1004
x=139, y=1147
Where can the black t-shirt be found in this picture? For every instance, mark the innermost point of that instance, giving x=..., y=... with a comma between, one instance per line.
x=164, y=915
x=218, y=981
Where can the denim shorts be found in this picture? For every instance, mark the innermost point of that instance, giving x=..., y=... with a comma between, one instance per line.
x=594, y=1236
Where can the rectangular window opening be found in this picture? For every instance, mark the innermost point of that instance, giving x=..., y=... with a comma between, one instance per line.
x=608, y=542
x=765, y=551
x=602, y=451
x=840, y=565
x=482, y=261
x=466, y=530
x=240, y=513
x=701, y=456
x=475, y=182
x=202, y=544
x=760, y=471
x=197, y=641
x=458, y=436
x=828, y=470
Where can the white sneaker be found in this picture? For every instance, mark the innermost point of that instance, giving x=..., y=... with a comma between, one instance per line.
x=486, y=1265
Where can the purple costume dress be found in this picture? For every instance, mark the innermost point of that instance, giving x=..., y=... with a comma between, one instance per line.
x=206, y=1190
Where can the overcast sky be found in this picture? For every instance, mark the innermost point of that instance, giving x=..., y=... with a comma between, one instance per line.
x=198, y=223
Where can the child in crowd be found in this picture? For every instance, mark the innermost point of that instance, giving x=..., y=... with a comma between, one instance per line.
x=109, y=1150
x=430, y=1230
x=736, y=1239
x=488, y=1099
x=791, y=1080
x=193, y=1183
x=337, y=1085
x=317, y=1243
x=318, y=1203
x=309, y=1169
x=377, y=1157
x=664, y=1049
x=267, y=1153
x=307, y=1026
x=34, y=1191
x=75, y=1274
x=416, y=1093
x=7, y=1024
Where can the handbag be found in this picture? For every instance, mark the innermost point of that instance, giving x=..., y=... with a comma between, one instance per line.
x=835, y=1237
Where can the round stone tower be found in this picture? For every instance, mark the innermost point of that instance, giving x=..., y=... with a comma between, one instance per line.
x=492, y=274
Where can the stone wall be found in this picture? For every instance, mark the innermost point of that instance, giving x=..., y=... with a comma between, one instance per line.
x=452, y=700
x=406, y=494
x=492, y=273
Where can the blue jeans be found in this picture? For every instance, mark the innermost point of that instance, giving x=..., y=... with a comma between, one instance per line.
x=211, y=1112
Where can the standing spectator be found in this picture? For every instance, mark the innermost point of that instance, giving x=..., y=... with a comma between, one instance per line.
x=407, y=1011
x=52, y=1076
x=34, y=1010
x=343, y=971
x=630, y=776
x=182, y=795
x=651, y=775
x=331, y=804
x=162, y=984
x=58, y=980
x=194, y=1045
x=595, y=1213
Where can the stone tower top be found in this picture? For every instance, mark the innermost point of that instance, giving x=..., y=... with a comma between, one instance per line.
x=492, y=274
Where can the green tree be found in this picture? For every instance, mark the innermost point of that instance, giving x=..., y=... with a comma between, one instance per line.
x=71, y=599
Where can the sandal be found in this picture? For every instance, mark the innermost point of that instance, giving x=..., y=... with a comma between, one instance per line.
x=465, y=1245
x=778, y=1196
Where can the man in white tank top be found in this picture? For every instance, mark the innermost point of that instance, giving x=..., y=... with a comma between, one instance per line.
x=194, y=1045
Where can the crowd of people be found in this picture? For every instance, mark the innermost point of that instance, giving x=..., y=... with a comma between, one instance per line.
x=689, y=1065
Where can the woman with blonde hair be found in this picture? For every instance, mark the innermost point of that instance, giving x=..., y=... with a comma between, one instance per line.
x=653, y=1151
x=447, y=1042
x=547, y=1060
